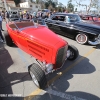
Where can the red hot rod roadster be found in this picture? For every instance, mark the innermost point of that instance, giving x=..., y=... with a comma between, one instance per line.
x=49, y=50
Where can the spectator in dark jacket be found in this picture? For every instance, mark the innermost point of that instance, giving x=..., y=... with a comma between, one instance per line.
x=1, y=36
x=1, y=22
x=7, y=16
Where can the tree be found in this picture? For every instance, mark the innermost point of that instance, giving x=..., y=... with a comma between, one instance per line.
x=96, y=4
x=17, y=2
x=38, y=1
x=75, y=9
x=49, y=4
x=41, y=2
x=92, y=4
x=60, y=4
x=53, y=4
x=70, y=6
x=46, y=5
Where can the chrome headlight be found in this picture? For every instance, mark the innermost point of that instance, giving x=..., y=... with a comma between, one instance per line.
x=99, y=36
x=49, y=67
x=68, y=53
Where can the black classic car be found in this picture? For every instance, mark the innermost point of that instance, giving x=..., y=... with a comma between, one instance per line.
x=72, y=26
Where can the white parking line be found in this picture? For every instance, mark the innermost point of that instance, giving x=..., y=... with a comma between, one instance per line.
x=23, y=57
x=63, y=95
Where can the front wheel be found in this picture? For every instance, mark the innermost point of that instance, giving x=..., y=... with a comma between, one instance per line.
x=73, y=52
x=38, y=76
x=82, y=38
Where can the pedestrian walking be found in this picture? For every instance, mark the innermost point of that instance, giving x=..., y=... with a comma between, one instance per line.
x=21, y=15
x=1, y=22
x=27, y=15
x=3, y=15
x=7, y=16
x=1, y=36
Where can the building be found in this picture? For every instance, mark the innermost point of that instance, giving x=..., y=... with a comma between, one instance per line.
x=28, y=1
x=9, y=3
x=55, y=1
x=1, y=6
x=30, y=5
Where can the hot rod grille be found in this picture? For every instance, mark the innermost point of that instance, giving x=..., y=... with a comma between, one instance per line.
x=61, y=56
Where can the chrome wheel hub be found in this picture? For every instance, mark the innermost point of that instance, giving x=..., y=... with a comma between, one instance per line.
x=70, y=54
x=82, y=38
x=34, y=79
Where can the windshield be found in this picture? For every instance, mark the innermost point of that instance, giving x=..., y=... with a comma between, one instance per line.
x=24, y=24
x=20, y=24
x=74, y=18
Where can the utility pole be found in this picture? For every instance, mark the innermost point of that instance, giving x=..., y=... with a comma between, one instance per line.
x=5, y=4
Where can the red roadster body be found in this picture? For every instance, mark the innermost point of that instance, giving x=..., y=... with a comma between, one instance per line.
x=49, y=50
x=37, y=40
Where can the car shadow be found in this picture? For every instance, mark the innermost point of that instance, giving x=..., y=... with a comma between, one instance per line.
x=13, y=45
x=61, y=83
x=8, y=79
x=79, y=66
x=58, y=88
x=57, y=95
x=97, y=47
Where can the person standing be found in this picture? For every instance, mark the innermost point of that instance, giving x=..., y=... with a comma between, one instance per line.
x=1, y=22
x=27, y=15
x=21, y=15
x=3, y=15
x=7, y=16
x=1, y=36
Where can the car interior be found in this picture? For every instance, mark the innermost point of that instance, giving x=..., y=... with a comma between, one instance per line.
x=60, y=18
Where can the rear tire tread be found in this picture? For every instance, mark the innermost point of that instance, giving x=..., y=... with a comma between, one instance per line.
x=8, y=39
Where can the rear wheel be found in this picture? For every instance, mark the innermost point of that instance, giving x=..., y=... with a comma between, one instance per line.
x=73, y=52
x=82, y=38
x=38, y=76
x=7, y=38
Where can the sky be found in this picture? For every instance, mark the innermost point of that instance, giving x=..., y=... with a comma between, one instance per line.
x=78, y=8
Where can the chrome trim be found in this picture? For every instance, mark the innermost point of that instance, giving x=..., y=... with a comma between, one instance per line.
x=95, y=42
x=49, y=67
x=34, y=79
